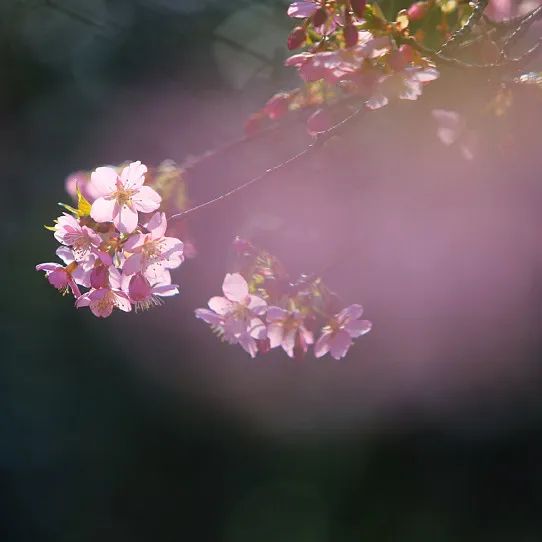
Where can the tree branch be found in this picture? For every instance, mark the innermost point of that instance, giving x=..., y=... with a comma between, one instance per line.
x=320, y=140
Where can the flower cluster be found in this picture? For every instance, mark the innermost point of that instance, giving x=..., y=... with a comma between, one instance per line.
x=115, y=245
x=354, y=55
x=262, y=309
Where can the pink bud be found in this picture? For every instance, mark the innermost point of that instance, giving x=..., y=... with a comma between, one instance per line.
x=99, y=276
x=277, y=106
x=253, y=124
x=139, y=288
x=296, y=38
x=358, y=7
x=417, y=11
x=242, y=246
x=319, y=17
x=350, y=33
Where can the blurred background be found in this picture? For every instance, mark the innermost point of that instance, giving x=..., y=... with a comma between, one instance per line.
x=144, y=426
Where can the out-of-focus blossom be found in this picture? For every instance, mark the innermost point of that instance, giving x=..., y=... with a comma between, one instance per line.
x=80, y=180
x=452, y=129
x=336, y=337
x=152, y=252
x=303, y=8
x=121, y=197
x=406, y=84
x=339, y=65
x=237, y=315
x=286, y=329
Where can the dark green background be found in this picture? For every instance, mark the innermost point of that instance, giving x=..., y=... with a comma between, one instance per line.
x=91, y=447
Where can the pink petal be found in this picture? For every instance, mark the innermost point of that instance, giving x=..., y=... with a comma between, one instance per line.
x=276, y=314
x=220, y=305
x=122, y=301
x=65, y=254
x=257, y=329
x=235, y=287
x=288, y=342
x=133, y=175
x=321, y=348
x=157, y=225
x=102, y=209
x=146, y=200
x=257, y=305
x=357, y=328
x=103, y=181
x=166, y=290
x=133, y=264
x=48, y=266
x=302, y=9
x=134, y=242
x=248, y=344
x=208, y=316
x=125, y=219
x=275, y=334
x=339, y=344
x=353, y=312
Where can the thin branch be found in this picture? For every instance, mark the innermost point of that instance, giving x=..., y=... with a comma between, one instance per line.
x=522, y=27
x=467, y=27
x=320, y=140
x=81, y=17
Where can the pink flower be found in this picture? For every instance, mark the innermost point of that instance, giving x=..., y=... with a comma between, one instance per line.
x=120, y=198
x=339, y=65
x=145, y=295
x=152, y=253
x=405, y=84
x=336, y=337
x=67, y=277
x=303, y=8
x=237, y=315
x=82, y=239
x=286, y=329
x=103, y=300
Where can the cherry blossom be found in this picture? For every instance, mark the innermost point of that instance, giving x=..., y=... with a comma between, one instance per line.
x=67, y=277
x=237, y=315
x=286, y=329
x=82, y=239
x=336, y=337
x=152, y=252
x=405, y=84
x=121, y=197
x=104, y=299
x=145, y=295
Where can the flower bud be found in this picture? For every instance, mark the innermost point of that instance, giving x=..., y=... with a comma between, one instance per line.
x=254, y=124
x=99, y=276
x=264, y=345
x=139, y=288
x=358, y=7
x=319, y=17
x=350, y=33
x=417, y=11
x=296, y=38
x=277, y=106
